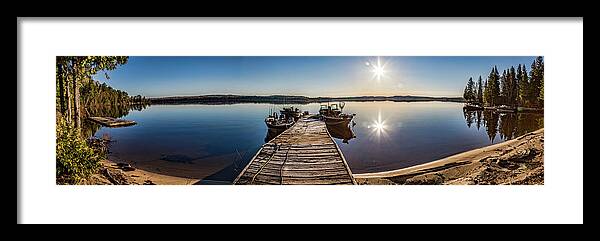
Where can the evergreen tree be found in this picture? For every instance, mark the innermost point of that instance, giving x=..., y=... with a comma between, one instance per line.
x=535, y=84
x=466, y=93
x=541, y=82
x=471, y=85
x=469, y=93
x=515, y=87
x=493, y=85
x=504, y=88
x=479, y=91
x=486, y=93
x=73, y=72
x=524, y=87
x=514, y=93
x=496, y=89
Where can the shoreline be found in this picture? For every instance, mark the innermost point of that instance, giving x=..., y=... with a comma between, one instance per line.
x=111, y=174
x=516, y=161
x=509, y=160
x=289, y=99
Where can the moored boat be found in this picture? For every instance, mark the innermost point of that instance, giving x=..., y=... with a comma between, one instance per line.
x=291, y=112
x=332, y=114
x=341, y=119
x=282, y=121
x=273, y=123
x=330, y=109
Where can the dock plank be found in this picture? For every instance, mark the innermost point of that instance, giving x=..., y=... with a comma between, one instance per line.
x=304, y=154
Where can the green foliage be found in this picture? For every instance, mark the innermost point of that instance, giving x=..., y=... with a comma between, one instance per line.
x=492, y=88
x=94, y=94
x=75, y=160
x=79, y=96
x=470, y=94
x=536, y=82
x=479, y=91
x=523, y=86
x=513, y=87
x=73, y=72
x=541, y=98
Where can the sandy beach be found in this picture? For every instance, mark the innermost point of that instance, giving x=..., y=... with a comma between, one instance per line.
x=111, y=173
x=517, y=161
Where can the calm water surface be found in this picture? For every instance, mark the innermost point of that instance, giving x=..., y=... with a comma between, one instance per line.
x=215, y=142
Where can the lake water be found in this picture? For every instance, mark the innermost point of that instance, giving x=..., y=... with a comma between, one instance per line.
x=215, y=142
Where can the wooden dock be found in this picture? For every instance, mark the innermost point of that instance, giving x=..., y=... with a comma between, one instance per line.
x=111, y=122
x=303, y=154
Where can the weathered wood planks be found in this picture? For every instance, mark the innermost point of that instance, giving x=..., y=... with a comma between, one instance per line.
x=111, y=122
x=303, y=154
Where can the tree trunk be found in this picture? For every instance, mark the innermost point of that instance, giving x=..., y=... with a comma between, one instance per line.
x=68, y=97
x=76, y=97
x=61, y=88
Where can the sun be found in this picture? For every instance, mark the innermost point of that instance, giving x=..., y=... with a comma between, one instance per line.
x=378, y=69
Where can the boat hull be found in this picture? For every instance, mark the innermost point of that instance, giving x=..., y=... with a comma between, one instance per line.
x=281, y=126
x=337, y=120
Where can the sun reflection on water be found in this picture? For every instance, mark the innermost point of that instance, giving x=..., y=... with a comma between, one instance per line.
x=378, y=128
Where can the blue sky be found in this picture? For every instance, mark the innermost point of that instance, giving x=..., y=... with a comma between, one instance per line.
x=303, y=75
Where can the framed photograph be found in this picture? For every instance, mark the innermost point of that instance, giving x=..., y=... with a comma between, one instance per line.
x=320, y=117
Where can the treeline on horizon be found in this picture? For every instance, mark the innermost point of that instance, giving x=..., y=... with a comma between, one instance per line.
x=286, y=99
x=514, y=88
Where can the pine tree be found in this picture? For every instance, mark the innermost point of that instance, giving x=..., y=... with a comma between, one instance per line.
x=486, y=93
x=479, y=92
x=469, y=93
x=535, y=85
x=524, y=87
x=466, y=93
x=496, y=93
x=504, y=88
x=494, y=87
x=471, y=89
x=514, y=99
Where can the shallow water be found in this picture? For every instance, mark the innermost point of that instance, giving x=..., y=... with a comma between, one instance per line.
x=215, y=142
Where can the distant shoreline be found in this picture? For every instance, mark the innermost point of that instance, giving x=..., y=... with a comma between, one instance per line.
x=285, y=99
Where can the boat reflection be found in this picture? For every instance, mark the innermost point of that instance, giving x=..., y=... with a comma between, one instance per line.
x=341, y=131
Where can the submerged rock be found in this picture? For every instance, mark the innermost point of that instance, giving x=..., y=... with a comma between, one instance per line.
x=177, y=158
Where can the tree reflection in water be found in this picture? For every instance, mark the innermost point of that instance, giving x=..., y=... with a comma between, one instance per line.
x=506, y=126
x=89, y=128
